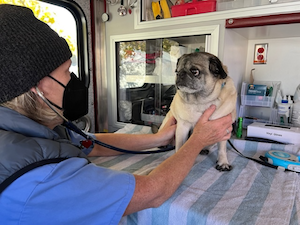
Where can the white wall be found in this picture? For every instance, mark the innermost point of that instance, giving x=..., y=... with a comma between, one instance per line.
x=283, y=63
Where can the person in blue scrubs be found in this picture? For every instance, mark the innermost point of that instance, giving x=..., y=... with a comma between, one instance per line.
x=37, y=91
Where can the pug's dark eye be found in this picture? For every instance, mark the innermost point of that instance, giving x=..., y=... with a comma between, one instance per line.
x=195, y=72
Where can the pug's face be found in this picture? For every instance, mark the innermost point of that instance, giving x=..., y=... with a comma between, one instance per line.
x=197, y=73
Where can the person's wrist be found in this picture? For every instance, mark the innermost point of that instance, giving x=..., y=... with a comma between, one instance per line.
x=194, y=144
x=159, y=139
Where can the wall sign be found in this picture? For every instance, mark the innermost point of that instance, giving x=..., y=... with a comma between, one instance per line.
x=260, y=53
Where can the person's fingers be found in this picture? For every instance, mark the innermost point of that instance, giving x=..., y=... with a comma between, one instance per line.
x=227, y=121
x=171, y=121
x=227, y=133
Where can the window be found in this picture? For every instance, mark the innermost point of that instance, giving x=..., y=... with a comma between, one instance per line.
x=146, y=76
x=67, y=19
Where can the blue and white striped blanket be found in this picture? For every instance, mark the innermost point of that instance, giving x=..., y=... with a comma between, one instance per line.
x=249, y=194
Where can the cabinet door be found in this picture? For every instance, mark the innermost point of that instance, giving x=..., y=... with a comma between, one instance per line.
x=142, y=72
x=146, y=76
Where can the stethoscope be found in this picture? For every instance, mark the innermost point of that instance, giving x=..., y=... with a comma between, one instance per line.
x=68, y=124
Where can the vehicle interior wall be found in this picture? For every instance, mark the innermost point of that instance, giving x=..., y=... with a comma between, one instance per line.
x=85, y=6
x=283, y=53
x=235, y=48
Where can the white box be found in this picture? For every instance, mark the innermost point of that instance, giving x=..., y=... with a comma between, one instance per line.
x=284, y=134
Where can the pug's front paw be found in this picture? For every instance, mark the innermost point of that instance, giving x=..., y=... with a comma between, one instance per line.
x=223, y=167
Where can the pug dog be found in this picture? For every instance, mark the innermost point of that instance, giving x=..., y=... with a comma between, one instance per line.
x=201, y=80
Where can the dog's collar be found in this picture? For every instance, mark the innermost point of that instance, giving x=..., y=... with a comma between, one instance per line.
x=223, y=84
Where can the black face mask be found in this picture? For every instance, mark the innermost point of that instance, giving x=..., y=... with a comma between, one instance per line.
x=75, y=99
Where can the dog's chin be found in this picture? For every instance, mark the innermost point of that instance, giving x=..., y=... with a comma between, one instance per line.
x=187, y=90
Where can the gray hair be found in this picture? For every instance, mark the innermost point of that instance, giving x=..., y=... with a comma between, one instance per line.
x=29, y=105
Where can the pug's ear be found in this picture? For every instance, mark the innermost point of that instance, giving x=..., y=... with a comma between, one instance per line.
x=178, y=60
x=216, y=67
x=177, y=64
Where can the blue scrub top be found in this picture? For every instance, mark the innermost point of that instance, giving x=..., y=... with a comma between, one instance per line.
x=70, y=192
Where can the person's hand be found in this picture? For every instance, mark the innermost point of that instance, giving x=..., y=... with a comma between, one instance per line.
x=210, y=132
x=167, y=133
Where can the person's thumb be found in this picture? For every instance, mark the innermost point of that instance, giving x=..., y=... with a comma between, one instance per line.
x=207, y=113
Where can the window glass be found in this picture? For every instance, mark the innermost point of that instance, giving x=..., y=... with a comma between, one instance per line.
x=146, y=76
x=59, y=19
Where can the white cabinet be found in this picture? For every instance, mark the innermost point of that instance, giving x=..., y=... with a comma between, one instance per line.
x=240, y=8
x=144, y=67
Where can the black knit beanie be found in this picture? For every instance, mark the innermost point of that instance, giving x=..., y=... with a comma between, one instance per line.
x=29, y=51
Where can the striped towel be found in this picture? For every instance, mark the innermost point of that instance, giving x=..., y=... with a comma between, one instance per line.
x=249, y=194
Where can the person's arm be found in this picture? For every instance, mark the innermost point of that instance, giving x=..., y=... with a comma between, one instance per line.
x=154, y=189
x=134, y=142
